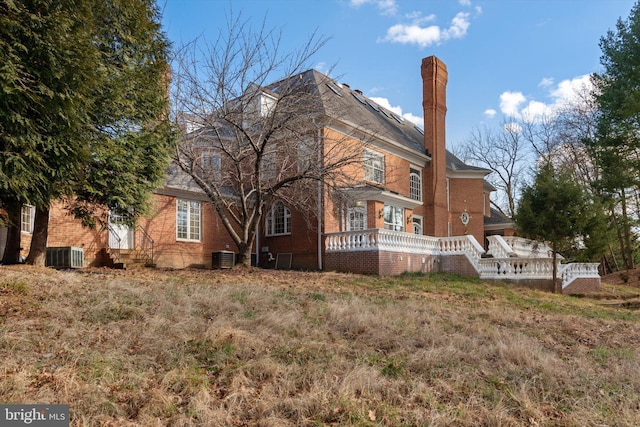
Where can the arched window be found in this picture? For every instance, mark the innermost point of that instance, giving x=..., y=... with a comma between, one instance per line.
x=417, y=224
x=415, y=184
x=278, y=220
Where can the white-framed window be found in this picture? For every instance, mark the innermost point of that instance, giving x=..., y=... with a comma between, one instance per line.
x=415, y=184
x=188, y=220
x=27, y=217
x=417, y=224
x=356, y=218
x=373, y=166
x=393, y=218
x=267, y=104
x=278, y=221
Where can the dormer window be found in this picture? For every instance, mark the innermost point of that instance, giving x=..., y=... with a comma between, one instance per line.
x=267, y=104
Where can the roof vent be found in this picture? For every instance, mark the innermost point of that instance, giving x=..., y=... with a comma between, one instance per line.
x=359, y=91
x=344, y=84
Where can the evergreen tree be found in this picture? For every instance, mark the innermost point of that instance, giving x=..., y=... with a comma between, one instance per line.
x=554, y=210
x=82, y=107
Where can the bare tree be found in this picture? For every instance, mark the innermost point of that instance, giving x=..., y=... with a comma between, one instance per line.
x=248, y=142
x=504, y=153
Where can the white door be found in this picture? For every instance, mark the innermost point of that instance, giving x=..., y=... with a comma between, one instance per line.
x=120, y=234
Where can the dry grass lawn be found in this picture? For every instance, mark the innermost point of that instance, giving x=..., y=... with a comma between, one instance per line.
x=274, y=348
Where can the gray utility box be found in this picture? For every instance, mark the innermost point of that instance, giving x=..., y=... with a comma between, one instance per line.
x=223, y=259
x=65, y=257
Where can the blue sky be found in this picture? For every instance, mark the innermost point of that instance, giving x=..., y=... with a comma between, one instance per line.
x=504, y=57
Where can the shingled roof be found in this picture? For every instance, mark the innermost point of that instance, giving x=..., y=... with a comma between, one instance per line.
x=350, y=106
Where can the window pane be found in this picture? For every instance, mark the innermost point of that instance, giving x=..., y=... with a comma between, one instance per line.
x=188, y=218
x=26, y=218
x=278, y=220
x=415, y=184
x=194, y=221
x=374, y=167
x=357, y=218
x=181, y=219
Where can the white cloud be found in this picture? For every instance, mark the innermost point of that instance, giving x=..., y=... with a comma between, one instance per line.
x=536, y=110
x=465, y=2
x=427, y=36
x=510, y=103
x=567, y=92
x=546, y=82
x=490, y=113
x=384, y=102
x=416, y=120
x=386, y=7
x=459, y=26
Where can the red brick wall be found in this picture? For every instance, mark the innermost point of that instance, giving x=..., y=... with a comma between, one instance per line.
x=169, y=251
x=456, y=264
x=466, y=194
x=383, y=263
x=65, y=230
x=581, y=286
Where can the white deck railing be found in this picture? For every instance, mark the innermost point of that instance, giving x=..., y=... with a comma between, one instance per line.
x=577, y=270
x=512, y=257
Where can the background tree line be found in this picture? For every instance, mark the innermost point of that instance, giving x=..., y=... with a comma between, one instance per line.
x=585, y=154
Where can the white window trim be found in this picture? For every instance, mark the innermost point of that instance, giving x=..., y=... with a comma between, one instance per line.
x=417, y=172
x=418, y=219
x=394, y=224
x=370, y=170
x=189, y=238
x=356, y=209
x=270, y=221
x=30, y=224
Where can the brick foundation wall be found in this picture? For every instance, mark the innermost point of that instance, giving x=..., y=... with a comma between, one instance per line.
x=383, y=263
x=457, y=264
x=583, y=285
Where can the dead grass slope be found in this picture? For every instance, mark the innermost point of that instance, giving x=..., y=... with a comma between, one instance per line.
x=273, y=348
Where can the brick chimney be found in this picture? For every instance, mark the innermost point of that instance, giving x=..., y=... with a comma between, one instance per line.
x=434, y=104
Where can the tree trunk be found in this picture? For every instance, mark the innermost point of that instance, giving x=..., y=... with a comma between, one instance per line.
x=12, y=249
x=244, y=255
x=627, y=233
x=38, y=250
x=557, y=287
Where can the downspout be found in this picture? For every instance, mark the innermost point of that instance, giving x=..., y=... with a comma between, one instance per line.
x=257, y=245
x=319, y=214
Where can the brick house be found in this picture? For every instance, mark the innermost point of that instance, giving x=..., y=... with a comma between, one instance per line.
x=415, y=207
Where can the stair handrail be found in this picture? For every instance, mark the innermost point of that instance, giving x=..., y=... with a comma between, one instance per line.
x=146, y=240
